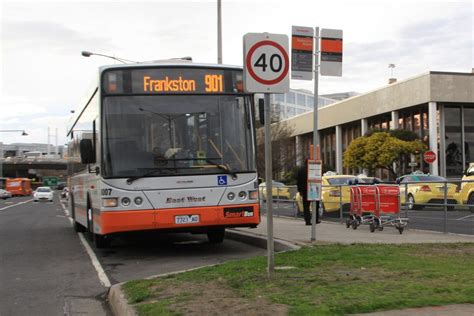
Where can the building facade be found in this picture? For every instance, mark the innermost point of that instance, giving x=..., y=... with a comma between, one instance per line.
x=438, y=106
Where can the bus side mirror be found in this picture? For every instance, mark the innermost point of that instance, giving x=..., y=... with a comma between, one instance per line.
x=87, y=151
x=398, y=181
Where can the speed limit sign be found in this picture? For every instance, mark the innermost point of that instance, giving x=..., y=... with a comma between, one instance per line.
x=266, y=63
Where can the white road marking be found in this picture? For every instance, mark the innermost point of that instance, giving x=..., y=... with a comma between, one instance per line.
x=4, y=208
x=465, y=217
x=104, y=280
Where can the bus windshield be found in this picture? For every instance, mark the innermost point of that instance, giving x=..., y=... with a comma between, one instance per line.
x=164, y=135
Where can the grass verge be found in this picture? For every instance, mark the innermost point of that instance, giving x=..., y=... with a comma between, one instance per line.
x=329, y=279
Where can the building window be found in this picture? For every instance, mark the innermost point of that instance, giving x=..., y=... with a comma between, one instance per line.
x=279, y=97
x=468, y=135
x=300, y=99
x=453, y=139
x=290, y=97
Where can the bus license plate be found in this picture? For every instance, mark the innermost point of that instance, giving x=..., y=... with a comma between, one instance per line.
x=186, y=219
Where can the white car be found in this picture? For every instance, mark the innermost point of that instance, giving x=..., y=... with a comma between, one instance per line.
x=43, y=194
x=5, y=194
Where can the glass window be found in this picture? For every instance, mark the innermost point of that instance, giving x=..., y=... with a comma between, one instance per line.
x=468, y=135
x=176, y=135
x=279, y=97
x=453, y=153
x=310, y=101
x=290, y=97
x=300, y=99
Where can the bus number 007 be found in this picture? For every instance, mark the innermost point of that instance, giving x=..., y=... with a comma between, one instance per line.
x=213, y=83
x=106, y=191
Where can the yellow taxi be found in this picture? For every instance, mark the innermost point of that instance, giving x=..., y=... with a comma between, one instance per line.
x=333, y=185
x=430, y=189
x=466, y=194
x=279, y=191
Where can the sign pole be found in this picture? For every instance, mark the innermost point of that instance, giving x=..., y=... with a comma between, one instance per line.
x=268, y=180
x=315, y=123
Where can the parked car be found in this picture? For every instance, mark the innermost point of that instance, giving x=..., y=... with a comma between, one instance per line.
x=430, y=189
x=466, y=193
x=4, y=194
x=363, y=179
x=279, y=191
x=43, y=194
x=331, y=192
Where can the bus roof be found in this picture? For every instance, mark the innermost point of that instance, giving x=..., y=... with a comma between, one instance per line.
x=169, y=63
x=94, y=85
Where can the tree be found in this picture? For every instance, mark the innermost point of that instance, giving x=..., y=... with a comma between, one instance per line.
x=283, y=154
x=380, y=150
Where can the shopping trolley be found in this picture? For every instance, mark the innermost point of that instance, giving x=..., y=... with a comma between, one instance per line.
x=388, y=209
x=363, y=205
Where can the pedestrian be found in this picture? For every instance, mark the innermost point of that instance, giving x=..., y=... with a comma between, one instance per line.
x=302, y=184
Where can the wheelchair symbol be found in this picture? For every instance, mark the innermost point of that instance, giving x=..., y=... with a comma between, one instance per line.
x=222, y=180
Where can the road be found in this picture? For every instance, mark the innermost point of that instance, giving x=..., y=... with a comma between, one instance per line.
x=45, y=269
x=458, y=221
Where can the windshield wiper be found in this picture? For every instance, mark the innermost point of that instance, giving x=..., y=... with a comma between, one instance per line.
x=154, y=170
x=222, y=167
x=208, y=160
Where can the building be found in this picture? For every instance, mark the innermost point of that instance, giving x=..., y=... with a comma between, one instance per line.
x=438, y=106
x=32, y=149
x=295, y=102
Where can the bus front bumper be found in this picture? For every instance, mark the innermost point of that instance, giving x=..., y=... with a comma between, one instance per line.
x=183, y=219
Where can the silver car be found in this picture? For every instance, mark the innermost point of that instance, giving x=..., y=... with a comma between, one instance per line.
x=4, y=194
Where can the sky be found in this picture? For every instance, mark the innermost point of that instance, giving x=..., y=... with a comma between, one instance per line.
x=43, y=75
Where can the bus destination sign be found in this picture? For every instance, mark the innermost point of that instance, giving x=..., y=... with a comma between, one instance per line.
x=172, y=81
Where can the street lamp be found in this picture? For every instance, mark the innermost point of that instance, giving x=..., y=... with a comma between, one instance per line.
x=122, y=60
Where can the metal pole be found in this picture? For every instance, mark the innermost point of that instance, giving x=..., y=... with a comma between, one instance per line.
x=406, y=200
x=340, y=204
x=315, y=122
x=48, y=145
x=278, y=197
x=219, y=32
x=268, y=180
x=445, y=207
x=56, y=149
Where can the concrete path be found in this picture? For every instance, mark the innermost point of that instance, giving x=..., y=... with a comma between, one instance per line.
x=295, y=230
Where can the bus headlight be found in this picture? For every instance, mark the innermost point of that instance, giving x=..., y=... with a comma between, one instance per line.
x=138, y=200
x=231, y=196
x=110, y=202
x=253, y=195
x=125, y=201
x=242, y=195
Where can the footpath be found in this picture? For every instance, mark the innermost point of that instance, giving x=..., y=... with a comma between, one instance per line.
x=292, y=233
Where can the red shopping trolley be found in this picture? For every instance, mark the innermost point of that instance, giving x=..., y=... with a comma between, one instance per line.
x=388, y=209
x=364, y=202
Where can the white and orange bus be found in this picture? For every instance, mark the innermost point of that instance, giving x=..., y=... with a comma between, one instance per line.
x=166, y=146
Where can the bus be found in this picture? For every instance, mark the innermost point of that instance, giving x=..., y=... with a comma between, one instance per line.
x=166, y=146
x=18, y=186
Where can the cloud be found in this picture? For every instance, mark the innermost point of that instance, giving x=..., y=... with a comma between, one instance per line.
x=49, y=35
x=18, y=107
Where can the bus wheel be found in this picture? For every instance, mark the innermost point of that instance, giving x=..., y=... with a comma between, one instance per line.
x=216, y=235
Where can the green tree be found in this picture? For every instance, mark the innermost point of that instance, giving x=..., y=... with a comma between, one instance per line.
x=380, y=150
